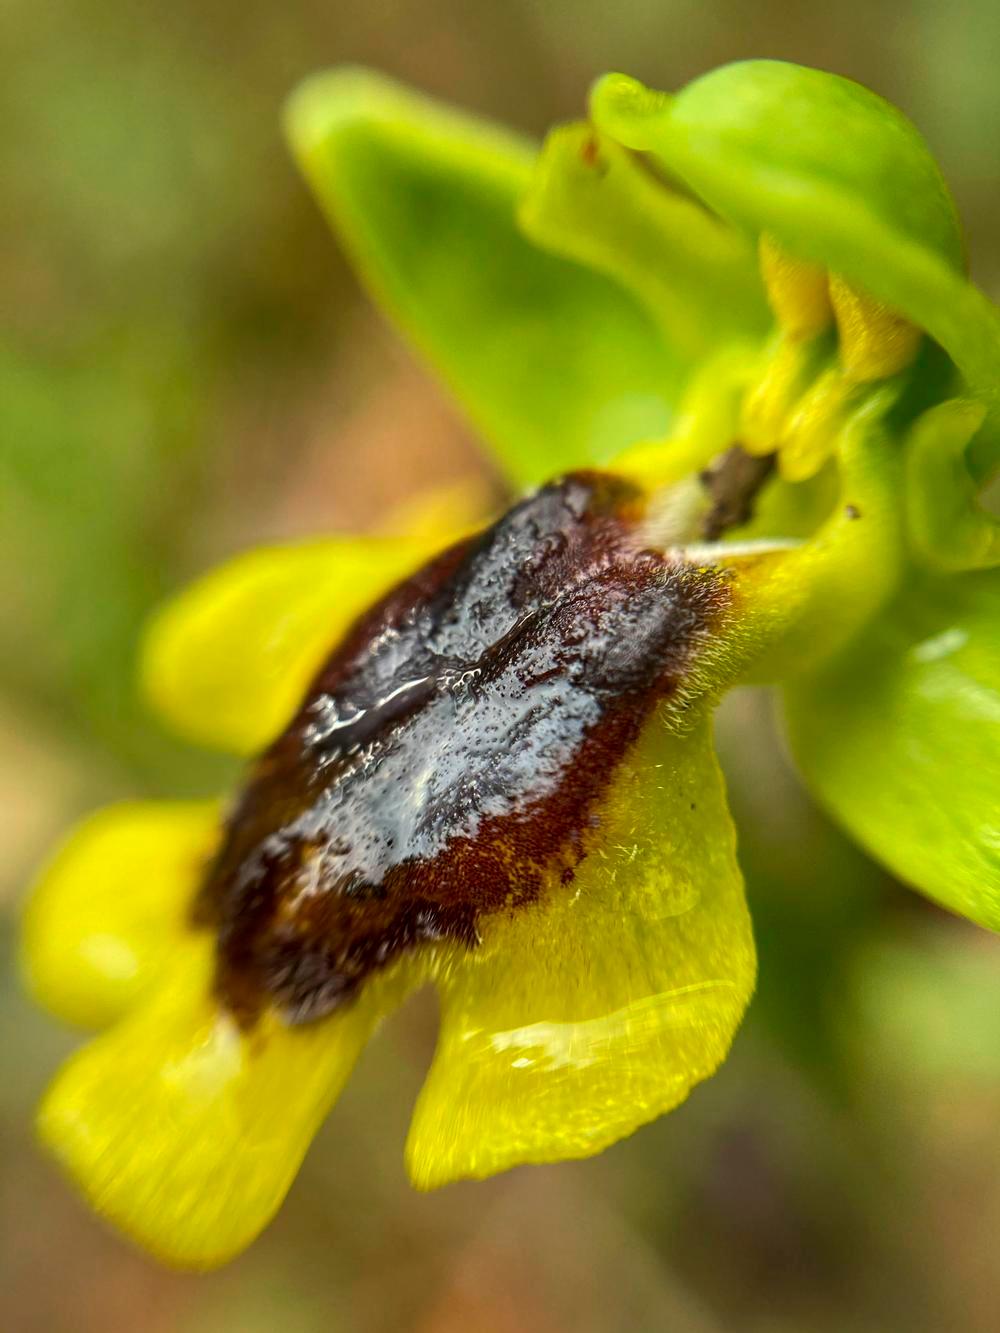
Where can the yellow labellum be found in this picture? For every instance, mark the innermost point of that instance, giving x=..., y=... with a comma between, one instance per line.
x=228, y=661
x=596, y=1010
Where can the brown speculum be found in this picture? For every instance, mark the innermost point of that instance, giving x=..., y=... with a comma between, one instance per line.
x=449, y=759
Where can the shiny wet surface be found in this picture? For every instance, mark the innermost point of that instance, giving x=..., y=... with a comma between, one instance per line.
x=450, y=757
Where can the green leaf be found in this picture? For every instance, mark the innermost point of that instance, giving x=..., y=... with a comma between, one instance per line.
x=833, y=172
x=555, y=365
x=921, y=1009
x=899, y=739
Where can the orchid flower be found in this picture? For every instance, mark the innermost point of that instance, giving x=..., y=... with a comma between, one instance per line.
x=723, y=348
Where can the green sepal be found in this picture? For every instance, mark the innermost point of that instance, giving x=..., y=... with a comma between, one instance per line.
x=834, y=173
x=898, y=737
x=949, y=528
x=592, y=201
x=820, y=594
x=556, y=366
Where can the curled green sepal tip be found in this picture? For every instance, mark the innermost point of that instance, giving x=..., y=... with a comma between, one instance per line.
x=834, y=173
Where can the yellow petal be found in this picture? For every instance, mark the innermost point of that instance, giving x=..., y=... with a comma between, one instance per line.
x=798, y=291
x=110, y=907
x=580, y=1019
x=186, y=1132
x=227, y=662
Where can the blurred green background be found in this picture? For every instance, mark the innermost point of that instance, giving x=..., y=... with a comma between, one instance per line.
x=187, y=368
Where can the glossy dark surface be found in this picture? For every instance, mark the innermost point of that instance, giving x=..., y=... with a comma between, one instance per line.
x=449, y=759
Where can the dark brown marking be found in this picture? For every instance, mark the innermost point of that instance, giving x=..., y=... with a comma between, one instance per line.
x=449, y=758
x=733, y=483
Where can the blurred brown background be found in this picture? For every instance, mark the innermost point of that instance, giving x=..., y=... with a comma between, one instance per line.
x=187, y=368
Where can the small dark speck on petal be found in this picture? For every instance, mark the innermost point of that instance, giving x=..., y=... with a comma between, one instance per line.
x=591, y=157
